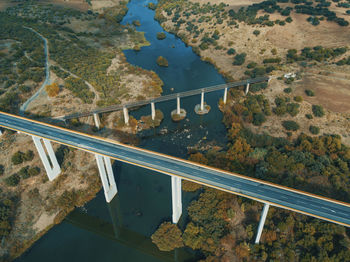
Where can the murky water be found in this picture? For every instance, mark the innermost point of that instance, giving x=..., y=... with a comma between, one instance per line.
x=94, y=233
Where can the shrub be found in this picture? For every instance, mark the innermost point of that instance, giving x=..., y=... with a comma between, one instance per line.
x=272, y=60
x=161, y=36
x=152, y=6
x=309, y=92
x=290, y=125
x=287, y=90
x=289, y=19
x=17, y=158
x=136, y=23
x=231, y=51
x=239, y=59
x=256, y=32
x=12, y=180
x=317, y=110
x=252, y=65
x=298, y=99
x=258, y=119
x=2, y=170
x=314, y=129
x=293, y=109
x=161, y=61
x=28, y=156
x=23, y=173
x=309, y=116
x=33, y=171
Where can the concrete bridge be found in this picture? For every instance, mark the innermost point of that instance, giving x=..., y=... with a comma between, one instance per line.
x=200, y=108
x=178, y=169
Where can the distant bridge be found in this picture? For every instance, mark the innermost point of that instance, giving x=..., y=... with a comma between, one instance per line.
x=105, y=150
x=176, y=96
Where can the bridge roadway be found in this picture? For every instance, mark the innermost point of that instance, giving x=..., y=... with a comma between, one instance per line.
x=276, y=195
x=164, y=98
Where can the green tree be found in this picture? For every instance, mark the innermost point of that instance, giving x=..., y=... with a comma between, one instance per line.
x=318, y=110
x=167, y=237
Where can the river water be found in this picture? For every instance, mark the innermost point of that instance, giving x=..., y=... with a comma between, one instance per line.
x=120, y=231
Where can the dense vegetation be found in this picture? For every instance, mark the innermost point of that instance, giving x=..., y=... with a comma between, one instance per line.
x=7, y=209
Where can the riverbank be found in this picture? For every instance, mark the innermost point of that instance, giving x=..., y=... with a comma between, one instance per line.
x=241, y=47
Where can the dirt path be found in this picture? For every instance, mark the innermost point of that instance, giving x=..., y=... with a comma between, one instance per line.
x=47, y=73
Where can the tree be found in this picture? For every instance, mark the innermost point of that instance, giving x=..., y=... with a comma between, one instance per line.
x=17, y=158
x=2, y=170
x=314, y=129
x=12, y=180
x=199, y=158
x=309, y=92
x=256, y=32
x=161, y=61
x=317, y=110
x=161, y=35
x=52, y=90
x=290, y=125
x=167, y=237
x=231, y=51
x=239, y=59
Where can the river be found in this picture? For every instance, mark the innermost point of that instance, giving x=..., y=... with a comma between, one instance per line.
x=144, y=197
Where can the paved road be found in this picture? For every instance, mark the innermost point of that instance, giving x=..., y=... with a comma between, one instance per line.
x=276, y=195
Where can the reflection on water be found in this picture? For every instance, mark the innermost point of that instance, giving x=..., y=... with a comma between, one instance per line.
x=121, y=230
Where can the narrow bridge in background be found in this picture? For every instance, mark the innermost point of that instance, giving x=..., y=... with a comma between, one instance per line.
x=178, y=169
x=179, y=111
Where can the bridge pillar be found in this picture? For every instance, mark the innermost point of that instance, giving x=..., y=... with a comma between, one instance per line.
x=178, y=108
x=0, y=132
x=97, y=120
x=225, y=96
x=107, y=177
x=202, y=101
x=126, y=115
x=153, y=111
x=247, y=89
x=49, y=161
x=176, y=198
x=262, y=222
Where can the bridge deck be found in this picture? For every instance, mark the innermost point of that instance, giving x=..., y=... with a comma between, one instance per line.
x=280, y=196
x=164, y=98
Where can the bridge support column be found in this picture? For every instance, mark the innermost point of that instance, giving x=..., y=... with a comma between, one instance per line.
x=225, y=96
x=178, y=108
x=247, y=88
x=176, y=198
x=49, y=160
x=153, y=111
x=262, y=222
x=0, y=132
x=202, y=101
x=107, y=177
x=126, y=115
x=97, y=120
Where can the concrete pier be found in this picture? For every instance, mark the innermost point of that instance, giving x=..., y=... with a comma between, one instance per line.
x=203, y=108
x=107, y=176
x=247, y=88
x=179, y=113
x=0, y=132
x=262, y=222
x=126, y=115
x=97, y=121
x=225, y=96
x=49, y=160
x=176, y=198
x=153, y=111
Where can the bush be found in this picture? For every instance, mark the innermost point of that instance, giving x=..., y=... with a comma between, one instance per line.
x=317, y=110
x=287, y=90
x=290, y=125
x=239, y=59
x=161, y=61
x=17, y=158
x=256, y=32
x=161, y=36
x=293, y=109
x=309, y=116
x=23, y=173
x=298, y=99
x=252, y=65
x=231, y=51
x=258, y=119
x=152, y=6
x=136, y=23
x=28, y=156
x=314, y=130
x=33, y=171
x=12, y=180
x=309, y=92
x=2, y=170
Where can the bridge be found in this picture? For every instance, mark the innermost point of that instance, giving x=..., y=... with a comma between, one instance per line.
x=104, y=150
x=200, y=108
